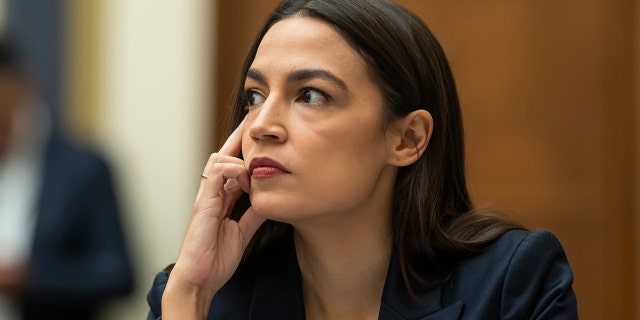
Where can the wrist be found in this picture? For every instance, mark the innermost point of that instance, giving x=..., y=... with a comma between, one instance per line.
x=183, y=300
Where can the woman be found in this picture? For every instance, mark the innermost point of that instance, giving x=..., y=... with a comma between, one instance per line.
x=350, y=139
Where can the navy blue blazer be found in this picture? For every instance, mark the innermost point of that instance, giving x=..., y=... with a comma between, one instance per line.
x=522, y=275
x=79, y=257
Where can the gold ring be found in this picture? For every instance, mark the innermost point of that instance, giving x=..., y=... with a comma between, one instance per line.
x=202, y=175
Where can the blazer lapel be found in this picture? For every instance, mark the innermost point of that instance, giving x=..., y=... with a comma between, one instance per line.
x=397, y=304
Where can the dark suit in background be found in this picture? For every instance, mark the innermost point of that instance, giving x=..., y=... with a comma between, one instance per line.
x=79, y=258
x=65, y=254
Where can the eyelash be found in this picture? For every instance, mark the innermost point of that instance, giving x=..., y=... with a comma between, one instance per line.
x=246, y=101
x=304, y=90
x=245, y=98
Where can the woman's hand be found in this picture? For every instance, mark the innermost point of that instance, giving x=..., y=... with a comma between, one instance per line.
x=214, y=244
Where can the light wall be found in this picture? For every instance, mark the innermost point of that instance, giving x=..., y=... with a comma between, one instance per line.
x=139, y=90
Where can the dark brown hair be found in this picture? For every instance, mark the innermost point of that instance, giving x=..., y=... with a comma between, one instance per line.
x=434, y=223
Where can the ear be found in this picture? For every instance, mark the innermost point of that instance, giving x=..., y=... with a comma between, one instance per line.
x=408, y=137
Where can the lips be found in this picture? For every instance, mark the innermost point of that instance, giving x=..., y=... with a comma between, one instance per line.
x=263, y=167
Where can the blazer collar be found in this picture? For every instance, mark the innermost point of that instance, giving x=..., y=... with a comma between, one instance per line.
x=278, y=291
x=398, y=304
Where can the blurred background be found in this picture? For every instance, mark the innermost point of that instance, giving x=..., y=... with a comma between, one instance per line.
x=549, y=91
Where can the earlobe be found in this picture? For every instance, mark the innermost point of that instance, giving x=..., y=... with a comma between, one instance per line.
x=411, y=137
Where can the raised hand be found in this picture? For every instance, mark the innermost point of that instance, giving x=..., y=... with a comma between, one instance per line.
x=214, y=243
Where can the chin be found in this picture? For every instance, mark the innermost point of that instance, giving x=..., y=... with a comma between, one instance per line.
x=287, y=208
x=272, y=208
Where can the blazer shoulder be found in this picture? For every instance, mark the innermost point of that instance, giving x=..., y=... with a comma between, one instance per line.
x=538, y=282
x=521, y=275
x=517, y=244
x=75, y=167
x=64, y=152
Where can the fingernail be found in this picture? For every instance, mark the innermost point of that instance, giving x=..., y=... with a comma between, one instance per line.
x=230, y=184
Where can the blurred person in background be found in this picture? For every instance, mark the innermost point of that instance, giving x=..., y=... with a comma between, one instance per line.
x=62, y=249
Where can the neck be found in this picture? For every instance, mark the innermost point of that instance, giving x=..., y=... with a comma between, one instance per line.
x=344, y=267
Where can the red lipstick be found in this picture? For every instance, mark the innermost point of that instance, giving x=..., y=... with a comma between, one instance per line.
x=263, y=167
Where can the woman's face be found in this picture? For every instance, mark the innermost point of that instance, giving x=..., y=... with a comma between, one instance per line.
x=312, y=140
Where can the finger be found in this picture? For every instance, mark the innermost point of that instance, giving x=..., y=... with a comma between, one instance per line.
x=203, y=176
x=242, y=182
x=249, y=224
x=233, y=192
x=208, y=169
x=213, y=197
x=221, y=172
x=231, y=185
x=233, y=145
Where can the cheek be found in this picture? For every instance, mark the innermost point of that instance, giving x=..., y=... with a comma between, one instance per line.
x=347, y=156
x=360, y=139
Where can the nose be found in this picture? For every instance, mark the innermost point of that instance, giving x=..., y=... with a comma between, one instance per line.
x=267, y=124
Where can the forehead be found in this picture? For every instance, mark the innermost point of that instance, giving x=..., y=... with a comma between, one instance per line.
x=307, y=42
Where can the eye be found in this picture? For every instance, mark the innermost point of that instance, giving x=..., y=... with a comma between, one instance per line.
x=253, y=98
x=313, y=96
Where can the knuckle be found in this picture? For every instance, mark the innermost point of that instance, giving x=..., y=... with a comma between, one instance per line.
x=216, y=157
x=218, y=166
x=220, y=158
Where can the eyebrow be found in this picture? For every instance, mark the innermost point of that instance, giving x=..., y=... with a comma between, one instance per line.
x=301, y=75
x=256, y=75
